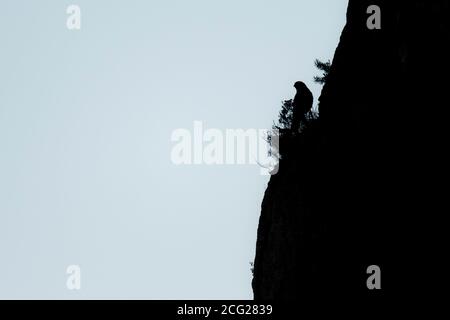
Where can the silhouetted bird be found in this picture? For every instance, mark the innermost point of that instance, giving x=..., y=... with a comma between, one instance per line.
x=303, y=103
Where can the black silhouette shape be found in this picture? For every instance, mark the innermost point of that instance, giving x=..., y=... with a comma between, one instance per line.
x=303, y=102
x=360, y=188
x=325, y=67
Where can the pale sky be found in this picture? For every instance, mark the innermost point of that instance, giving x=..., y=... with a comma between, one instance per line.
x=86, y=118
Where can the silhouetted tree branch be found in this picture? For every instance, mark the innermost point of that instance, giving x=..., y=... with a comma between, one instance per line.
x=325, y=68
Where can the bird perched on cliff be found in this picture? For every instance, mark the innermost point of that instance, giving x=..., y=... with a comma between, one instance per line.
x=302, y=104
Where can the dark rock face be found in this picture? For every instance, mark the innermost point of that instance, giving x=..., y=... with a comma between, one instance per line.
x=359, y=188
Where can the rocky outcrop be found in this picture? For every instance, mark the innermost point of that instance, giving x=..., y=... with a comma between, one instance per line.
x=358, y=189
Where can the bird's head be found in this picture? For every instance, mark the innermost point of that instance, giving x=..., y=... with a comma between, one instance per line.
x=299, y=85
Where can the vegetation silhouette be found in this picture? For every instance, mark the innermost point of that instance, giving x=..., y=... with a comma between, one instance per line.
x=299, y=122
x=325, y=67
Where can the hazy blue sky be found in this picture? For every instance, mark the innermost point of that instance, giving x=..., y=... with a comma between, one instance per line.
x=86, y=119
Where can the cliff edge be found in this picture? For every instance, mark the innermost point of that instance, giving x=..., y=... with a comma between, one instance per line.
x=359, y=188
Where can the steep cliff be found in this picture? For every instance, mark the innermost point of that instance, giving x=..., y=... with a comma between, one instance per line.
x=359, y=189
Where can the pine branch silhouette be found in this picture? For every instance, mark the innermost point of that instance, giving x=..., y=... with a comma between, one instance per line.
x=325, y=67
